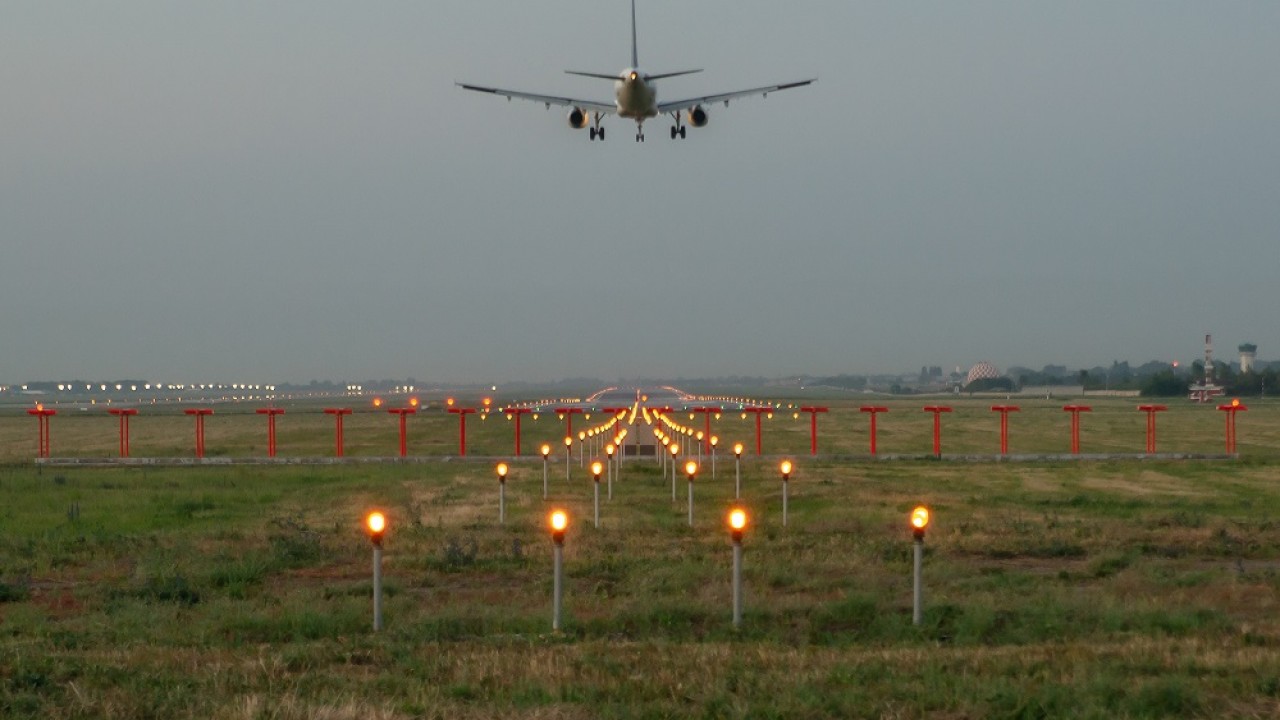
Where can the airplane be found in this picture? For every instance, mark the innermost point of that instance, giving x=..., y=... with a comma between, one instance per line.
x=636, y=97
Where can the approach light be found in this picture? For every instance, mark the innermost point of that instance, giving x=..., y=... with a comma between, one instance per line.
x=568, y=441
x=376, y=523
x=558, y=520
x=596, y=468
x=674, y=448
x=737, y=522
x=715, y=440
x=691, y=469
x=737, y=449
x=920, y=520
x=546, y=451
x=449, y=402
x=377, y=402
x=502, y=472
x=609, y=449
x=785, y=467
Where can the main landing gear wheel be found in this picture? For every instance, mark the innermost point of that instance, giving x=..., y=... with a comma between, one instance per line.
x=597, y=132
x=680, y=130
x=639, y=137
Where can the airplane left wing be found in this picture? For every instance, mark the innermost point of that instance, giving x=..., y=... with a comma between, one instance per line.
x=674, y=105
x=547, y=100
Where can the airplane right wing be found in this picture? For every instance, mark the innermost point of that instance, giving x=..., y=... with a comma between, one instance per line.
x=547, y=100
x=667, y=107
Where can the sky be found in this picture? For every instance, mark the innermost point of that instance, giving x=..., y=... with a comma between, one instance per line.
x=297, y=190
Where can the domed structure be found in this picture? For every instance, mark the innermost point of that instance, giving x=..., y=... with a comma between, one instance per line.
x=981, y=371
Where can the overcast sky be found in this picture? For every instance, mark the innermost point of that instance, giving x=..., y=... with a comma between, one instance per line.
x=293, y=190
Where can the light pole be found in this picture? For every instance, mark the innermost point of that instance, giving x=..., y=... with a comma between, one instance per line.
x=715, y=440
x=737, y=525
x=919, y=521
x=608, y=451
x=338, y=414
x=1231, y=410
x=462, y=414
x=199, y=414
x=813, y=426
x=546, y=455
x=873, y=410
x=376, y=524
x=1151, y=411
x=125, y=413
x=568, y=453
x=937, y=411
x=1075, y=411
x=271, y=414
x=737, y=471
x=502, y=493
x=1004, y=411
x=515, y=413
x=674, y=449
x=758, y=411
x=691, y=470
x=42, y=416
x=596, y=468
x=785, y=467
x=559, y=521
x=404, y=413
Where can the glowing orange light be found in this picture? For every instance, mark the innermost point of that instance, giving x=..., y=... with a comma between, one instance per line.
x=738, y=519
x=737, y=449
x=568, y=441
x=546, y=450
x=715, y=440
x=376, y=522
x=502, y=470
x=596, y=468
x=785, y=467
x=559, y=521
x=377, y=402
x=413, y=402
x=1235, y=402
x=608, y=449
x=449, y=402
x=674, y=448
x=488, y=402
x=691, y=468
x=920, y=518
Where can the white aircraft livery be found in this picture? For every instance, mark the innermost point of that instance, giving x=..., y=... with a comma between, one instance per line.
x=636, y=97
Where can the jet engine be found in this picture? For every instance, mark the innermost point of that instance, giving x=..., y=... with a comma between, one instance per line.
x=697, y=116
x=578, y=118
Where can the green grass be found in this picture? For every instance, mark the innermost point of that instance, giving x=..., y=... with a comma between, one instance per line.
x=1061, y=589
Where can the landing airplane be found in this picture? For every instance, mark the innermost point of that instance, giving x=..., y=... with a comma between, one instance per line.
x=636, y=97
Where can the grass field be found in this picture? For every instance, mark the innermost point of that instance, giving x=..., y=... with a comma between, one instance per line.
x=1137, y=588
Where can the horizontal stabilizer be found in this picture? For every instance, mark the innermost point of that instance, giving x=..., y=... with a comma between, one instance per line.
x=672, y=74
x=601, y=76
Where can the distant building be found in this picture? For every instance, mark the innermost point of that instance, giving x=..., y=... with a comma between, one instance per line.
x=1248, y=354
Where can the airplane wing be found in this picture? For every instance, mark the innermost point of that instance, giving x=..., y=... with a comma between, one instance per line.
x=547, y=100
x=667, y=107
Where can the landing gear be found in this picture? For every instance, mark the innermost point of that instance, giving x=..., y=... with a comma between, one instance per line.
x=597, y=131
x=639, y=137
x=678, y=129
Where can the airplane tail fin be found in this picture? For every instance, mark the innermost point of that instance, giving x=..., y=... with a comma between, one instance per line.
x=635, y=55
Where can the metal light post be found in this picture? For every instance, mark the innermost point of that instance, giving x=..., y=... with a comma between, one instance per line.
x=271, y=414
x=596, y=469
x=546, y=455
x=813, y=426
x=919, y=521
x=737, y=471
x=404, y=414
x=785, y=467
x=515, y=413
x=559, y=521
x=1151, y=411
x=608, y=451
x=462, y=414
x=125, y=413
x=691, y=470
x=1004, y=411
x=714, y=442
x=1075, y=411
x=199, y=414
x=937, y=411
x=1231, y=410
x=338, y=414
x=502, y=493
x=758, y=411
x=42, y=416
x=674, y=449
x=568, y=453
x=737, y=525
x=873, y=410
x=376, y=524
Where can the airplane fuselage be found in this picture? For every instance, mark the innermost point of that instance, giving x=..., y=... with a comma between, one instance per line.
x=636, y=98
